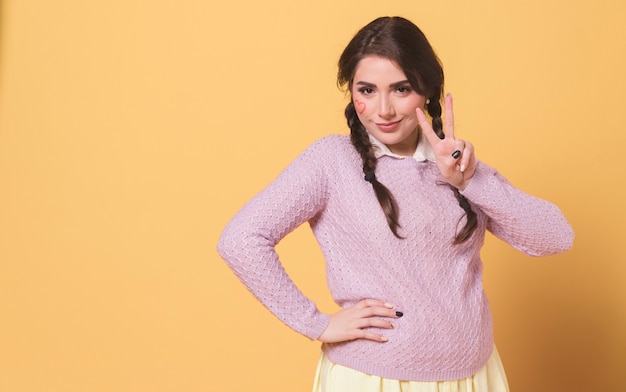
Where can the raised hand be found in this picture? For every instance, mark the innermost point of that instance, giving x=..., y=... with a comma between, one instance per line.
x=353, y=322
x=455, y=157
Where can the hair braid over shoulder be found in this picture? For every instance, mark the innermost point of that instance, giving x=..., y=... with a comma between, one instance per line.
x=434, y=110
x=362, y=143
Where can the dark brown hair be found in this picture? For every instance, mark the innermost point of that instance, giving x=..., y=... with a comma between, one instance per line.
x=402, y=42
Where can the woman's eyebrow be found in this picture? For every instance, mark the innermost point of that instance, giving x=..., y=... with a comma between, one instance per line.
x=399, y=84
x=392, y=85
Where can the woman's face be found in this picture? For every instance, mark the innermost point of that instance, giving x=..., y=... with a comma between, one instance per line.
x=385, y=103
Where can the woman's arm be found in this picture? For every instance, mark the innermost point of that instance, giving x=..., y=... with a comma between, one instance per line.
x=248, y=241
x=531, y=225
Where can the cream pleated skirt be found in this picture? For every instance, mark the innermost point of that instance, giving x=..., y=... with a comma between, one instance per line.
x=330, y=377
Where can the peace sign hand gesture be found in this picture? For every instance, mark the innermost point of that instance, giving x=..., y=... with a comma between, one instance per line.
x=455, y=157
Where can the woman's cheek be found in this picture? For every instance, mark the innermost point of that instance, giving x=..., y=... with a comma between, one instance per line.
x=360, y=106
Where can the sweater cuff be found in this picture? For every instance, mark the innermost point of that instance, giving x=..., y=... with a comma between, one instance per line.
x=318, y=328
x=479, y=182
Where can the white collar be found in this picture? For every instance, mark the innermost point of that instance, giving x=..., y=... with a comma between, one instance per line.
x=422, y=153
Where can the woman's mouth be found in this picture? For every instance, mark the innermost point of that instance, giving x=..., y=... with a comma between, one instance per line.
x=388, y=127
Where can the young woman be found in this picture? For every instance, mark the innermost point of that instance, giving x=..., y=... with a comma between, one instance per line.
x=399, y=209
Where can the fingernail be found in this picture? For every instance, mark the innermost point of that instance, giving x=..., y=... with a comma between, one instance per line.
x=393, y=326
x=388, y=305
x=456, y=154
x=462, y=168
x=384, y=339
x=399, y=314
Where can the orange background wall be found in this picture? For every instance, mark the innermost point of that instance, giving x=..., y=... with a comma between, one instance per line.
x=131, y=131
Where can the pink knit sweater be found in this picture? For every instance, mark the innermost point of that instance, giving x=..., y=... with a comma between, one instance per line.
x=446, y=330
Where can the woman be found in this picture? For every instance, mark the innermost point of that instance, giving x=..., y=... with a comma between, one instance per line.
x=400, y=210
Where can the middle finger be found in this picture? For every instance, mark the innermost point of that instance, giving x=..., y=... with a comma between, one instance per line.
x=448, y=116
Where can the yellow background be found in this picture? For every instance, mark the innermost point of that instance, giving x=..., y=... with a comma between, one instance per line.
x=131, y=131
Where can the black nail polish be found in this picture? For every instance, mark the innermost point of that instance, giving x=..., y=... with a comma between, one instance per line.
x=456, y=154
x=399, y=314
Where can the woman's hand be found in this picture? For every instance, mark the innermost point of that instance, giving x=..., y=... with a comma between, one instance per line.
x=455, y=157
x=353, y=322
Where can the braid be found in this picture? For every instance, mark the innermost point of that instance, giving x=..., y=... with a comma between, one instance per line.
x=361, y=142
x=434, y=110
x=472, y=220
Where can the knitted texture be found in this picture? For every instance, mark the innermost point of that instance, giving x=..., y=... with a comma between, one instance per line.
x=446, y=330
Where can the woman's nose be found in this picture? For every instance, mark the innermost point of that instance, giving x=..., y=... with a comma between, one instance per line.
x=385, y=108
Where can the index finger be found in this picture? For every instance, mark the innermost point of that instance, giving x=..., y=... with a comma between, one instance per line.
x=374, y=302
x=427, y=128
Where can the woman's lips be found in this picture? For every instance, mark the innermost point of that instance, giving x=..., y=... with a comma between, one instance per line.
x=388, y=127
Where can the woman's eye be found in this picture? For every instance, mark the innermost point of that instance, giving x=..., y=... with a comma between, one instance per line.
x=366, y=90
x=404, y=89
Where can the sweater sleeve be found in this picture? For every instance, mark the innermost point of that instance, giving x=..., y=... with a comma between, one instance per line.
x=248, y=242
x=529, y=224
